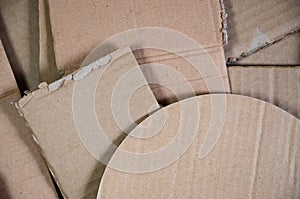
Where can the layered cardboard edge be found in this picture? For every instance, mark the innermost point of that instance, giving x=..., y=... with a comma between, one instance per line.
x=234, y=60
x=224, y=16
x=77, y=75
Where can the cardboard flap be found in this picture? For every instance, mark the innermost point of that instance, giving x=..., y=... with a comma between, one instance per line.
x=274, y=84
x=255, y=24
x=70, y=117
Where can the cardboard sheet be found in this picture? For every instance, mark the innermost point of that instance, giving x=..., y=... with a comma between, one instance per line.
x=283, y=52
x=23, y=172
x=65, y=115
x=253, y=24
x=277, y=85
x=256, y=156
x=20, y=37
x=76, y=26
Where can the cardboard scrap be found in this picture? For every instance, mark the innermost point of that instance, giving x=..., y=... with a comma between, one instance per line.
x=283, y=52
x=277, y=85
x=256, y=156
x=47, y=66
x=23, y=172
x=20, y=36
x=65, y=115
x=255, y=24
x=76, y=25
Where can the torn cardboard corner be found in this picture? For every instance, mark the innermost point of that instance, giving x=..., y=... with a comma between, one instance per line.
x=283, y=52
x=274, y=84
x=75, y=36
x=91, y=106
x=23, y=172
x=253, y=25
x=256, y=155
x=20, y=36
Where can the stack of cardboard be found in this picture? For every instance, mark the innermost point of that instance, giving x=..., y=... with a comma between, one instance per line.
x=150, y=99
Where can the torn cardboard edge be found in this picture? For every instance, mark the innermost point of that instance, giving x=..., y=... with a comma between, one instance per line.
x=75, y=76
x=224, y=16
x=261, y=43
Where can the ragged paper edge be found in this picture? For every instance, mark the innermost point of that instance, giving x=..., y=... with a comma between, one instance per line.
x=224, y=22
x=233, y=60
x=35, y=140
x=77, y=75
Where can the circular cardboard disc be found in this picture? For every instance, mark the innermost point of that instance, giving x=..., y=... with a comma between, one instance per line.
x=256, y=155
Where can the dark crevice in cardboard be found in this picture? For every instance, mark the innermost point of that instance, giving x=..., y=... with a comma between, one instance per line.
x=233, y=60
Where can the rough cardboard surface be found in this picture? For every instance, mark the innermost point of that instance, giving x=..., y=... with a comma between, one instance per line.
x=256, y=156
x=76, y=24
x=274, y=84
x=283, y=52
x=20, y=37
x=47, y=65
x=254, y=24
x=23, y=172
x=52, y=115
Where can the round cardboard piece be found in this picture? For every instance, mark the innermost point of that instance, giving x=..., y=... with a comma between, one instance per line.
x=257, y=154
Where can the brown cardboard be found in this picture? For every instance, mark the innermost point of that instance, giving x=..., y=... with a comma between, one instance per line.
x=47, y=66
x=54, y=113
x=76, y=26
x=8, y=83
x=255, y=24
x=274, y=84
x=256, y=156
x=283, y=52
x=20, y=37
x=23, y=172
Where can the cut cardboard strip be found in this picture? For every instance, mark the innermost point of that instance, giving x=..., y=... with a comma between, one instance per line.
x=277, y=85
x=71, y=116
x=283, y=52
x=256, y=155
x=20, y=36
x=75, y=36
x=23, y=172
x=47, y=66
x=253, y=25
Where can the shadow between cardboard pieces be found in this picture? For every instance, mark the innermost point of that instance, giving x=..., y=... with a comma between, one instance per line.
x=75, y=29
x=20, y=37
x=23, y=171
x=57, y=129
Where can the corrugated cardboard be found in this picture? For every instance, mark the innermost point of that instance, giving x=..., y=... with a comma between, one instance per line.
x=274, y=84
x=283, y=52
x=256, y=156
x=78, y=26
x=23, y=172
x=20, y=37
x=52, y=115
x=47, y=65
x=253, y=24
